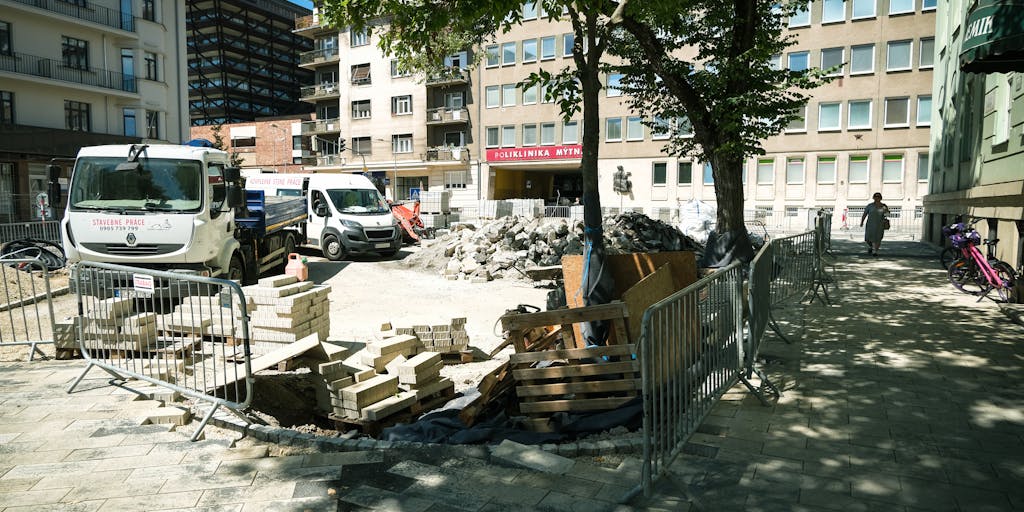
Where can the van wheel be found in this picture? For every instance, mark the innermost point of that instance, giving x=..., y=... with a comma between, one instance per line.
x=333, y=249
x=236, y=269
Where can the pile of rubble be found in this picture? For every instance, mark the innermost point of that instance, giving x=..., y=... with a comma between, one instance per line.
x=506, y=247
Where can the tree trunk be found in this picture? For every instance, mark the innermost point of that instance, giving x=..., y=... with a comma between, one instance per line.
x=730, y=241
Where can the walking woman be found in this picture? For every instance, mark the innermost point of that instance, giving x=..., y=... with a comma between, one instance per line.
x=876, y=214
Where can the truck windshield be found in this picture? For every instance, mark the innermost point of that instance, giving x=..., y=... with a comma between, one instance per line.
x=158, y=185
x=358, y=201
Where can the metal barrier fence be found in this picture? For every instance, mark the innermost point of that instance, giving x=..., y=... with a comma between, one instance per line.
x=26, y=305
x=41, y=230
x=189, y=334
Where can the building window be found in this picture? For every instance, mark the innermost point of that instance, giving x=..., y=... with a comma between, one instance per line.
x=401, y=143
x=544, y=96
x=614, y=81
x=493, y=95
x=492, y=136
x=859, y=169
x=297, y=143
x=547, y=134
x=898, y=56
x=863, y=9
x=5, y=38
x=359, y=37
x=130, y=123
x=76, y=116
x=775, y=61
x=660, y=129
x=634, y=128
x=892, y=169
x=922, y=167
x=401, y=105
x=530, y=94
x=926, y=59
x=709, y=174
x=826, y=172
x=361, y=109
x=900, y=6
x=397, y=71
x=924, y=110
x=660, y=174
x=683, y=127
x=508, y=95
x=802, y=16
x=570, y=133
x=799, y=124
x=833, y=11
x=493, y=55
x=530, y=11
x=455, y=179
x=765, y=174
x=613, y=129
x=832, y=58
x=794, y=171
x=151, y=69
x=547, y=48
x=149, y=10
x=7, y=107
x=862, y=59
x=859, y=115
x=799, y=61
x=530, y=50
x=508, y=136
x=928, y=5
x=152, y=124
x=567, y=43
x=530, y=134
x=684, y=173
x=75, y=52
x=361, y=74
x=830, y=116
x=508, y=53
x=897, y=112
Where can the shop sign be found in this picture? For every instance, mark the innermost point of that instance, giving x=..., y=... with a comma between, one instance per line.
x=536, y=153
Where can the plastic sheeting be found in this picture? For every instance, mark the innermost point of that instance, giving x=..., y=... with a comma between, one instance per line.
x=697, y=220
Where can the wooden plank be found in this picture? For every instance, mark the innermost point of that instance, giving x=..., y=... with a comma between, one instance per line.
x=646, y=292
x=561, y=388
x=522, y=321
x=573, y=353
x=286, y=352
x=585, y=404
x=580, y=370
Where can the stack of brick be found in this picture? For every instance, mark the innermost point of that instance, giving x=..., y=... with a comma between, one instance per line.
x=112, y=324
x=379, y=354
x=285, y=310
x=445, y=338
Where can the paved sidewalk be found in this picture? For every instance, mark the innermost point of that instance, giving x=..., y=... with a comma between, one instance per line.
x=903, y=395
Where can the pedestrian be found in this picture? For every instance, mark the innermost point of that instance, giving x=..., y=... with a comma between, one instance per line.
x=876, y=214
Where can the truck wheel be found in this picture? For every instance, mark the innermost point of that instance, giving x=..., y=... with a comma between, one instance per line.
x=289, y=247
x=236, y=269
x=333, y=249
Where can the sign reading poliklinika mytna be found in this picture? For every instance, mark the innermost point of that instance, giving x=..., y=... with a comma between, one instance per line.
x=535, y=153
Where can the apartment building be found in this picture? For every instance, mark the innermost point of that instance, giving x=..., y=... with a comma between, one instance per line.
x=82, y=73
x=243, y=60
x=864, y=132
x=266, y=145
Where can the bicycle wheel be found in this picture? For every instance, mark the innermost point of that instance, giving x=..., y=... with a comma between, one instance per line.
x=1006, y=274
x=947, y=256
x=965, y=276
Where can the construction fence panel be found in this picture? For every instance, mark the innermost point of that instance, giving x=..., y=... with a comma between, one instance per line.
x=26, y=305
x=691, y=349
x=48, y=230
x=759, y=288
x=793, y=267
x=187, y=333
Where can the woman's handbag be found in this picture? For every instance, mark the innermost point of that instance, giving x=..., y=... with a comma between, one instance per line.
x=885, y=223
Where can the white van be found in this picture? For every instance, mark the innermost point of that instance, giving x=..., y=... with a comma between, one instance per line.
x=347, y=214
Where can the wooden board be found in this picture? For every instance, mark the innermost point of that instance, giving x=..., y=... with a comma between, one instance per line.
x=578, y=370
x=564, y=388
x=578, y=405
x=646, y=292
x=575, y=353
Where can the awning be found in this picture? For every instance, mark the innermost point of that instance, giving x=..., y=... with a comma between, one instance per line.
x=994, y=37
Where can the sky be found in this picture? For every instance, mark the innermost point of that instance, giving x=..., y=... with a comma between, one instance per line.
x=304, y=3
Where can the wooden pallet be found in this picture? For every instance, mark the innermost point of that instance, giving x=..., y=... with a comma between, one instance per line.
x=374, y=427
x=519, y=325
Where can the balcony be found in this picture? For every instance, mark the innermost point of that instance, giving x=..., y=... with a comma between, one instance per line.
x=321, y=126
x=56, y=70
x=447, y=154
x=321, y=56
x=312, y=23
x=94, y=13
x=443, y=115
x=330, y=160
x=450, y=76
x=312, y=93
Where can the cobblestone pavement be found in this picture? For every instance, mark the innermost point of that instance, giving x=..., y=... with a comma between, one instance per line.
x=901, y=395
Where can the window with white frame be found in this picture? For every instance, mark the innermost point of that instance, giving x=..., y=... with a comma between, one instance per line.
x=775, y=61
x=898, y=55
x=926, y=56
x=508, y=53
x=683, y=127
x=859, y=169
x=567, y=42
x=359, y=37
x=397, y=71
x=401, y=143
x=684, y=173
x=799, y=123
x=765, y=174
x=530, y=134
x=454, y=100
x=361, y=109
x=826, y=171
x=492, y=137
x=901, y=6
x=547, y=48
x=897, y=112
x=859, y=117
x=530, y=50
x=659, y=174
x=493, y=54
x=660, y=128
x=570, y=133
x=863, y=9
x=892, y=168
x=833, y=58
x=922, y=167
x=401, y=105
x=152, y=124
x=794, y=171
x=361, y=146
x=530, y=11
x=799, y=61
x=802, y=16
x=833, y=11
x=709, y=174
x=493, y=96
x=455, y=179
x=547, y=134
x=508, y=95
x=614, y=81
x=830, y=116
x=924, y=110
x=530, y=94
x=634, y=128
x=508, y=136
x=361, y=74
x=613, y=129
x=862, y=59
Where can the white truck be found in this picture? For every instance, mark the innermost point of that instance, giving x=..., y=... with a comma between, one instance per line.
x=346, y=213
x=177, y=208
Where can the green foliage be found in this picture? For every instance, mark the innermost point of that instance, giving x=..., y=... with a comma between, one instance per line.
x=235, y=160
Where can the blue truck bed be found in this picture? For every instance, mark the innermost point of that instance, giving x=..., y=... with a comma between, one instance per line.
x=268, y=214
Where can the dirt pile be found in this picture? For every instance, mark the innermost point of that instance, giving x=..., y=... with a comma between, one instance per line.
x=504, y=248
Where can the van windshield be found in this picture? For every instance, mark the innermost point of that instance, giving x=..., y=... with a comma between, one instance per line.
x=159, y=184
x=358, y=201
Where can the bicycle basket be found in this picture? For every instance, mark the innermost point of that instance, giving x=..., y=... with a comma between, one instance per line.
x=953, y=229
x=961, y=241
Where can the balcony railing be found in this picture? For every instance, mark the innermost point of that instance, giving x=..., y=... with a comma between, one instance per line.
x=318, y=56
x=450, y=76
x=56, y=70
x=447, y=154
x=332, y=125
x=94, y=13
x=443, y=115
x=310, y=22
x=323, y=160
x=320, y=91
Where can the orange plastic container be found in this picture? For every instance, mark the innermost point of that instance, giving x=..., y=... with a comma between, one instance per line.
x=296, y=267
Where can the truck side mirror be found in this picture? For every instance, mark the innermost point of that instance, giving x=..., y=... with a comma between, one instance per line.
x=321, y=210
x=234, y=196
x=232, y=174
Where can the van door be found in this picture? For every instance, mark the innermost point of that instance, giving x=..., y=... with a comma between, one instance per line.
x=317, y=220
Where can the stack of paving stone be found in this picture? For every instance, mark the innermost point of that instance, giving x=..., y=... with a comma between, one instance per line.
x=283, y=310
x=112, y=324
x=379, y=354
x=445, y=338
x=408, y=386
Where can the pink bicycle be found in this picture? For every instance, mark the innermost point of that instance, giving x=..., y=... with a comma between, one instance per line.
x=973, y=272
